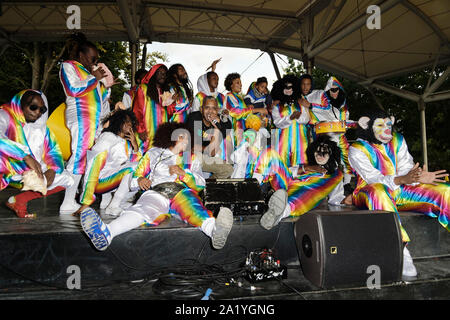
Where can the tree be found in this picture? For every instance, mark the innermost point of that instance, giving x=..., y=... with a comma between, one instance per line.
x=405, y=111
x=36, y=65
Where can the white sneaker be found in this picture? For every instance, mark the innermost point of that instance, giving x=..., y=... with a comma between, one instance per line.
x=409, y=270
x=277, y=204
x=97, y=231
x=224, y=223
x=69, y=208
x=113, y=211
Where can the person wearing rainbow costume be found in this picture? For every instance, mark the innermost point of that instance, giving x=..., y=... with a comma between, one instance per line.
x=330, y=105
x=207, y=86
x=180, y=87
x=170, y=183
x=128, y=96
x=295, y=193
x=389, y=180
x=237, y=107
x=290, y=119
x=110, y=163
x=28, y=144
x=149, y=105
x=86, y=104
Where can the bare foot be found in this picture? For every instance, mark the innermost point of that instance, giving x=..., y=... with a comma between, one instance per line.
x=348, y=200
x=78, y=212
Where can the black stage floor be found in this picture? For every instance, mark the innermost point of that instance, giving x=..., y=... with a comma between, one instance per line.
x=36, y=256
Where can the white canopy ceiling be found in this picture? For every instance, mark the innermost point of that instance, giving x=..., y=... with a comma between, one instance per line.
x=332, y=34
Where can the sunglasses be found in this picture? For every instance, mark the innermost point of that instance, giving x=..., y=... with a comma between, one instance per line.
x=334, y=89
x=34, y=107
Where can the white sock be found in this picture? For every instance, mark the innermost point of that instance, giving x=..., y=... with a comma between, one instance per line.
x=126, y=222
x=121, y=192
x=258, y=176
x=71, y=192
x=208, y=226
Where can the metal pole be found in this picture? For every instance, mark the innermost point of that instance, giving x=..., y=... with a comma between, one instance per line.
x=144, y=56
x=423, y=131
x=274, y=63
x=133, y=62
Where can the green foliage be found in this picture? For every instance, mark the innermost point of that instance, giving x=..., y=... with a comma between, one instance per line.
x=405, y=111
x=16, y=71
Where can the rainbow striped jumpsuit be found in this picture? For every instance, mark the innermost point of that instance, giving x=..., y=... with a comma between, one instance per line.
x=186, y=205
x=377, y=165
x=86, y=104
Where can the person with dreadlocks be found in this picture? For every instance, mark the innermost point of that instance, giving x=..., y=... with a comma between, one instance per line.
x=150, y=105
x=290, y=119
x=180, y=87
x=110, y=163
x=170, y=182
x=28, y=145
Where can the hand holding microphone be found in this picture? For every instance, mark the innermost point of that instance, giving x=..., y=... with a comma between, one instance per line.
x=214, y=120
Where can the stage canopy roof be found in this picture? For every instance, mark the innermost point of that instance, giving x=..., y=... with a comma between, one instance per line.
x=413, y=34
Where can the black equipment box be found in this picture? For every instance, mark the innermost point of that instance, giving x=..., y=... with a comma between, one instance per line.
x=344, y=248
x=241, y=196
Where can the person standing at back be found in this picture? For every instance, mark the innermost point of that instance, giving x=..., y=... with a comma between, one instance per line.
x=85, y=96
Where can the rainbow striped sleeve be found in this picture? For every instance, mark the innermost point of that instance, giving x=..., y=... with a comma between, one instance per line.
x=237, y=107
x=143, y=168
x=189, y=180
x=189, y=165
x=52, y=155
x=76, y=80
x=9, y=149
x=11, y=161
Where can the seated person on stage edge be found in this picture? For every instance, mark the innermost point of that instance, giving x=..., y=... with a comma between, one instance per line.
x=209, y=134
x=170, y=182
x=295, y=194
x=110, y=163
x=28, y=147
x=389, y=180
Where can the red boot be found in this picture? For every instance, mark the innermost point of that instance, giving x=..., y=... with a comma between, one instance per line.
x=19, y=202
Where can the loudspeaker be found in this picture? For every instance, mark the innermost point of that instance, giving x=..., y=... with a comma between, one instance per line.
x=349, y=247
x=241, y=196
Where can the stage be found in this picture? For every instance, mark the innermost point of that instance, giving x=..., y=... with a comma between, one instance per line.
x=39, y=256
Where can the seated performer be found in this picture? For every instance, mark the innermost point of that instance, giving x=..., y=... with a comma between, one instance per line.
x=170, y=185
x=237, y=107
x=290, y=119
x=330, y=106
x=110, y=163
x=209, y=133
x=294, y=194
x=28, y=144
x=389, y=180
x=128, y=96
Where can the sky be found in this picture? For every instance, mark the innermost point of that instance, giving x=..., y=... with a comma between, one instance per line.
x=197, y=58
